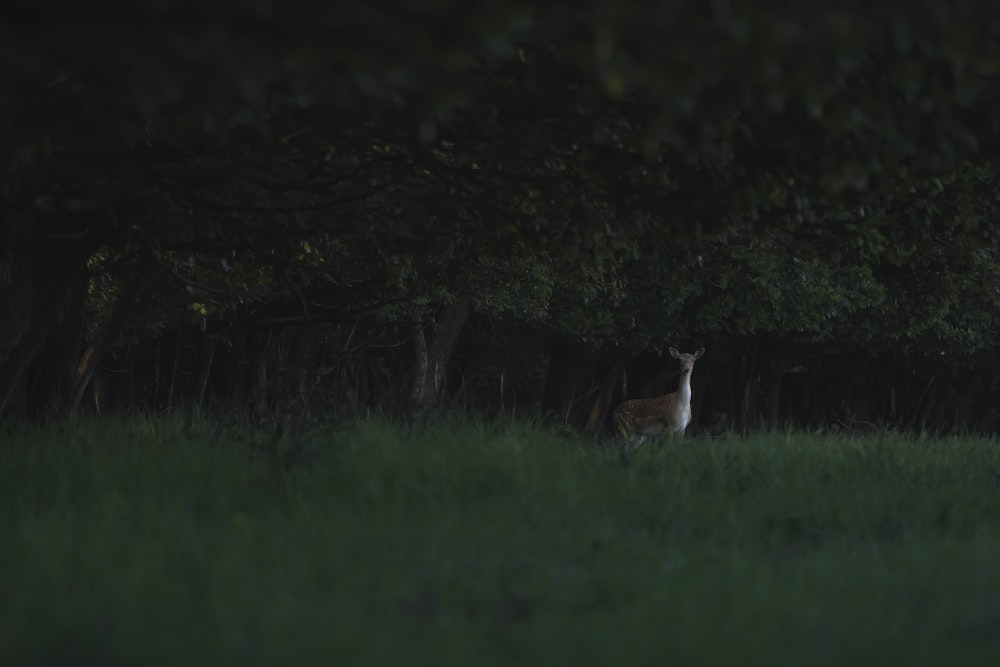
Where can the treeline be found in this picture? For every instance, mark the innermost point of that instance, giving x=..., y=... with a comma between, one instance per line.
x=234, y=213
x=856, y=370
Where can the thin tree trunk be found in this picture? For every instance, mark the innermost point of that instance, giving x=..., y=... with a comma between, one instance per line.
x=63, y=351
x=236, y=396
x=260, y=377
x=749, y=407
x=157, y=364
x=560, y=381
x=774, y=396
x=97, y=383
x=732, y=375
x=304, y=364
x=108, y=336
x=16, y=297
x=206, y=355
x=421, y=361
x=12, y=372
x=174, y=362
x=602, y=401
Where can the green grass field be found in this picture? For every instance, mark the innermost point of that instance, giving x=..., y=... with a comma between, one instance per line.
x=461, y=544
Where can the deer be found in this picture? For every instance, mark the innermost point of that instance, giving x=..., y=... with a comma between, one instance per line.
x=669, y=413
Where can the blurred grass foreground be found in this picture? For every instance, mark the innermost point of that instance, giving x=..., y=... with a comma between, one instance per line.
x=137, y=542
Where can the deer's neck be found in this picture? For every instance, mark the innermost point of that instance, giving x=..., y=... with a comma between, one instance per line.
x=684, y=389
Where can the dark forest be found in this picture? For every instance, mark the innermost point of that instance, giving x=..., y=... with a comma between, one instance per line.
x=305, y=210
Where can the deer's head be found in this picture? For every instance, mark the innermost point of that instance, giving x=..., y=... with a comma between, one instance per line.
x=687, y=359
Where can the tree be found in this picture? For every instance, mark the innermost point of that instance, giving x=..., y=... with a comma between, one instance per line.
x=607, y=178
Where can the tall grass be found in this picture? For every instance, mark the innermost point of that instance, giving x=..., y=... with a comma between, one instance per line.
x=138, y=543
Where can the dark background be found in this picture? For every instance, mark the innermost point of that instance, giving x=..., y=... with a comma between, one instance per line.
x=289, y=210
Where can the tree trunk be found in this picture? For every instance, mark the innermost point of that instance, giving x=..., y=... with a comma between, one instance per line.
x=602, y=401
x=304, y=360
x=774, y=396
x=50, y=297
x=203, y=369
x=431, y=359
x=109, y=335
x=421, y=362
x=261, y=345
x=57, y=372
x=560, y=382
x=16, y=296
x=175, y=356
x=748, y=408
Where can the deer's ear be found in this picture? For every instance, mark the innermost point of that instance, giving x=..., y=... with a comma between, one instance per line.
x=699, y=352
x=674, y=353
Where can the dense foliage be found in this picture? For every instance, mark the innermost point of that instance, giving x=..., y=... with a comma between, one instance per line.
x=205, y=197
